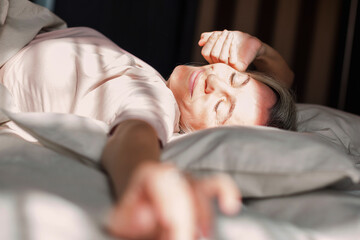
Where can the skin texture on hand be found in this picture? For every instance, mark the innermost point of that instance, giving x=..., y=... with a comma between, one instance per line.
x=239, y=50
x=234, y=48
x=156, y=205
x=157, y=201
x=161, y=203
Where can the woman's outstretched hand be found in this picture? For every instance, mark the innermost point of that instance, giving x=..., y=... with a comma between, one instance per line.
x=162, y=203
x=234, y=48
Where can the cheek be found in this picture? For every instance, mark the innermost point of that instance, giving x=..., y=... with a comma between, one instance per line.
x=260, y=102
x=264, y=95
x=247, y=108
x=174, y=82
x=257, y=102
x=178, y=85
x=195, y=116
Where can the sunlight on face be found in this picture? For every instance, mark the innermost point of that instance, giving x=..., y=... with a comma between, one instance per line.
x=216, y=94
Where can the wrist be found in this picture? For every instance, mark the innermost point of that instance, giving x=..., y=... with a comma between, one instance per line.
x=262, y=51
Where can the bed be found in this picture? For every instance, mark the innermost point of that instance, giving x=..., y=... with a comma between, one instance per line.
x=295, y=185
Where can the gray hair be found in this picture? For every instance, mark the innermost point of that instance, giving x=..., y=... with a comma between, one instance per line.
x=283, y=113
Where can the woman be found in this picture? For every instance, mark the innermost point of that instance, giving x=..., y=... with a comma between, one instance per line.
x=80, y=71
x=206, y=97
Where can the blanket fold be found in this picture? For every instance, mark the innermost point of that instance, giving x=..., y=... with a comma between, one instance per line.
x=20, y=22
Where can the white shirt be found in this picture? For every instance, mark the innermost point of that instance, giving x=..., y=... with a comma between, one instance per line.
x=80, y=71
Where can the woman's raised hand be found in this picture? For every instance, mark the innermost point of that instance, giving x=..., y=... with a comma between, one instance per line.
x=234, y=48
x=162, y=203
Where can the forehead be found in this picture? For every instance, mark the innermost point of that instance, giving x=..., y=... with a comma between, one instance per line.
x=253, y=104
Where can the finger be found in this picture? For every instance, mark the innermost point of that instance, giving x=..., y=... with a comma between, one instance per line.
x=204, y=37
x=203, y=207
x=226, y=191
x=247, y=52
x=132, y=217
x=206, y=50
x=250, y=50
x=225, y=51
x=204, y=214
x=215, y=52
x=172, y=200
x=233, y=59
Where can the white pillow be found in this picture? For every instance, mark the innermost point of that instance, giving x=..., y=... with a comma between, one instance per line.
x=75, y=136
x=338, y=127
x=26, y=166
x=263, y=161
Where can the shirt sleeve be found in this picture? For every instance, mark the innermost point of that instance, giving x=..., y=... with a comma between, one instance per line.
x=151, y=101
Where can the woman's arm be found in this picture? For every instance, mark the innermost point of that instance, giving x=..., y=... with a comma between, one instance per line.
x=131, y=158
x=239, y=49
x=154, y=200
x=269, y=61
x=131, y=143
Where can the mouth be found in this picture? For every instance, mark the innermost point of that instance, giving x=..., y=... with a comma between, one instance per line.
x=193, y=80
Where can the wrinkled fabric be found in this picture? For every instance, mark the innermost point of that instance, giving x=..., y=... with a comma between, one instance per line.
x=20, y=22
x=39, y=178
x=80, y=71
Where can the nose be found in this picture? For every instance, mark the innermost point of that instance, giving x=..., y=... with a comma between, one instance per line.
x=213, y=84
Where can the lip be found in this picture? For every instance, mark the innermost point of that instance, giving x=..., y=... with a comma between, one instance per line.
x=194, y=77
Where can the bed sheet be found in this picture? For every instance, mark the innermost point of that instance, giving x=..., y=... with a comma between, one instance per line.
x=320, y=215
x=49, y=173
x=295, y=185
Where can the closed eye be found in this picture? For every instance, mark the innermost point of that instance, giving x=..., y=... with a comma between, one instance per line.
x=232, y=79
x=246, y=81
x=217, y=105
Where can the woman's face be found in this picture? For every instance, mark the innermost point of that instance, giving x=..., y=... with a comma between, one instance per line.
x=216, y=94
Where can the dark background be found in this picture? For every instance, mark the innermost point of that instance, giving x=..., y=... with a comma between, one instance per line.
x=318, y=38
x=157, y=31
